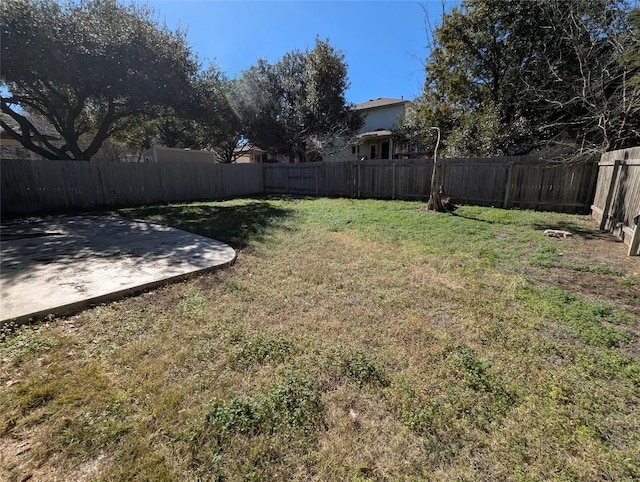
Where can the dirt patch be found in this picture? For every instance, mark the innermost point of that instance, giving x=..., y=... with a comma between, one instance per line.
x=17, y=457
x=588, y=245
x=18, y=462
x=598, y=287
x=595, y=265
x=604, y=289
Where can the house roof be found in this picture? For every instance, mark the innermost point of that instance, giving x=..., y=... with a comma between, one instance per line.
x=373, y=134
x=249, y=148
x=379, y=102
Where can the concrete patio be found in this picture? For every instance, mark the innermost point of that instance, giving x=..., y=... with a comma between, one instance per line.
x=61, y=265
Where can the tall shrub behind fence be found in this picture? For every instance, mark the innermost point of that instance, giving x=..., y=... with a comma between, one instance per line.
x=39, y=186
x=616, y=206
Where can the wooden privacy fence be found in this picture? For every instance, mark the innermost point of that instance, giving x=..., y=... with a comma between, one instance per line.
x=522, y=182
x=616, y=206
x=40, y=186
x=33, y=187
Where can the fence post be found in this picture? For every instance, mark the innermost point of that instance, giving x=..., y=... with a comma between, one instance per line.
x=635, y=239
x=507, y=187
x=612, y=188
x=325, y=175
x=317, y=181
x=353, y=179
x=443, y=179
x=595, y=171
x=393, y=181
x=286, y=174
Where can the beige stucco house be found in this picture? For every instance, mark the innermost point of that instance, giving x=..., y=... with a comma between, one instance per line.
x=251, y=155
x=168, y=154
x=11, y=148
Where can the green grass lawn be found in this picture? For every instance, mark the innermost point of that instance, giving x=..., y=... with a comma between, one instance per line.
x=351, y=340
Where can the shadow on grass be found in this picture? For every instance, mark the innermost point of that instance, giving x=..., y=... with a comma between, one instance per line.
x=472, y=218
x=235, y=225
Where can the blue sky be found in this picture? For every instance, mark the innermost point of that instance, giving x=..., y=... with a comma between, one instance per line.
x=384, y=42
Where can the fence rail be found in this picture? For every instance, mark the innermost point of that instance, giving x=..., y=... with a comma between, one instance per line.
x=34, y=187
x=616, y=206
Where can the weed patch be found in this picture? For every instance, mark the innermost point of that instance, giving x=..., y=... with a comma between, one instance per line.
x=256, y=430
x=467, y=400
x=587, y=268
x=477, y=375
x=261, y=349
x=590, y=322
x=364, y=370
x=546, y=257
x=295, y=403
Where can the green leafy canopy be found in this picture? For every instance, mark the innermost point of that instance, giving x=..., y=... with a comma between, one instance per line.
x=506, y=78
x=85, y=67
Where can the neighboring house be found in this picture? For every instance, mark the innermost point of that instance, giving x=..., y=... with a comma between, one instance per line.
x=374, y=140
x=258, y=155
x=10, y=147
x=168, y=154
x=251, y=155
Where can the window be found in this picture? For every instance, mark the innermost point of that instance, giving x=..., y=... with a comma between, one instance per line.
x=373, y=152
x=384, y=154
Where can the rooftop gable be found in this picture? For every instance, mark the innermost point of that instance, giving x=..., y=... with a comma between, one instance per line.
x=379, y=102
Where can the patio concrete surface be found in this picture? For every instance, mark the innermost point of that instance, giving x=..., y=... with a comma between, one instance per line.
x=61, y=265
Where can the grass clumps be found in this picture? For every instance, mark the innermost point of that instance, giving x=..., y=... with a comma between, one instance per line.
x=35, y=397
x=294, y=403
x=468, y=397
x=256, y=430
x=261, y=349
x=592, y=323
x=364, y=370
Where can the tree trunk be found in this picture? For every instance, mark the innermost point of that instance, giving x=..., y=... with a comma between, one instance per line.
x=436, y=192
x=438, y=201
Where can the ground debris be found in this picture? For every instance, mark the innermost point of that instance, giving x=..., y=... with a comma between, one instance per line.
x=557, y=233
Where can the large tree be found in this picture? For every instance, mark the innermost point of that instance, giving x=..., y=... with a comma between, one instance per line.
x=506, y=77
x=297, y=107
x=86, y=67
x=259, y=97
x=631, y=58
x=473, y=86
x=581, y=81
x=219, y=115
x=205, y=120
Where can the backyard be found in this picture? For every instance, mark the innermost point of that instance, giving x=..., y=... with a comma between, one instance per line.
x=351, y=340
